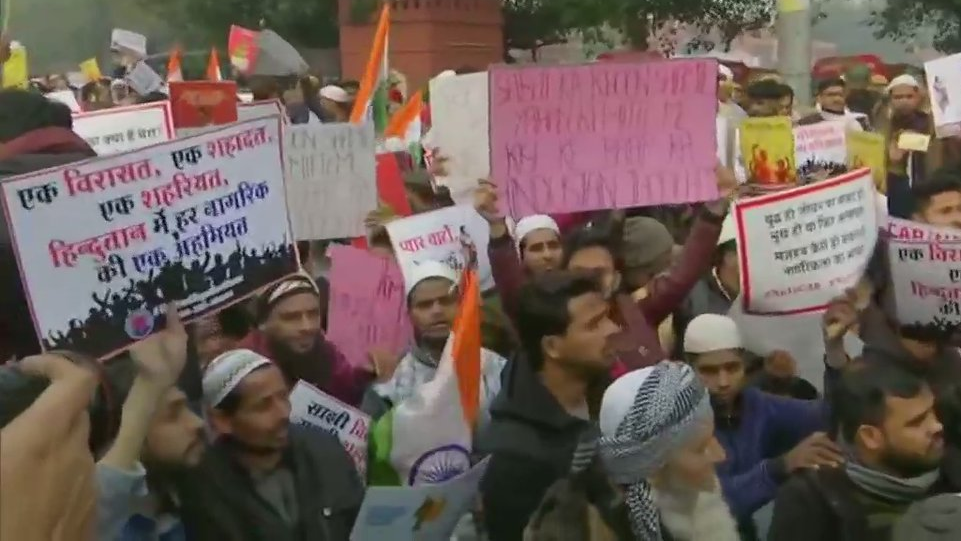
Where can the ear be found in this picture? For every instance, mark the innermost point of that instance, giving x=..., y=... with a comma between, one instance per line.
x=870, y=437
x=551, y=346
x=219, y=422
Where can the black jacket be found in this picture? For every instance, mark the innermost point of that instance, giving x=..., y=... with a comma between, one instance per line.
x=220, y=502
x=531, y=440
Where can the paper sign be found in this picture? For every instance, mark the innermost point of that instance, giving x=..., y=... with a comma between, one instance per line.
x=197, y=104
x=91, y=69
x=943, y=76
x=802, y=247
x=331, y=179
x=110, y=131
x=143, y=79
x=603, y=135
x=131, y=41
x=926, y=279
x=767, y=148
x=913, y=141
x=103, y=244
x=866, y=149
x=461, y=127
x=15, y=69
x=242, y=48
x=418, y=513
x=257, y=109
x=367, y=305
x=67, y=98
x=907, y=230
x=309, y=406
x=442, y=235
x=820, y=150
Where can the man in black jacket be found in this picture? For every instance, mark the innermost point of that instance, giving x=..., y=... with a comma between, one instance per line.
x=543, y=407
x=264, y=479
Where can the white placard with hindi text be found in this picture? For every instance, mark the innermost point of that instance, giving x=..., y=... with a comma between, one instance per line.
x=309, y=406
x=802, y=247
x=104, y=244
x=926, y=278
x=120, y=129
x=331, y=177
x=901, y=229
x=461, y=129
x=820, y=150
x=418, y=513
x=441, y=235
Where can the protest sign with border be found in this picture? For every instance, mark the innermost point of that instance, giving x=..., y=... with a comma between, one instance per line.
x=926, y=280
x=367, y=306
x=122, y=129
x=802, y=247
x=309, y=406
x=331, y=178
x=201, y=222
x=604, y=135
x=766, y=148
x=901, y=229
x=820, y=150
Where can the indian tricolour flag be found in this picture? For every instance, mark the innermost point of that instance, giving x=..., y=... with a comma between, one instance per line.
x=428, y=438
x=371, y=101
x=406, y=125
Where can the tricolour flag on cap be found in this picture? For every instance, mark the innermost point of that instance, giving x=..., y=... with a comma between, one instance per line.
x=371, y=101
x=428, y=438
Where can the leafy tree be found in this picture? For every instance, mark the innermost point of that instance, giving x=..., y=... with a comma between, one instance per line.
x=902, y=19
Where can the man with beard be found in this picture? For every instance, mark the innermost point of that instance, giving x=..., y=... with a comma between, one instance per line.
x=264, y=479
x=885, y=421
x=289, y=332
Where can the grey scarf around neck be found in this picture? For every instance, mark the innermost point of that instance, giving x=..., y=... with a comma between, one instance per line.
x=891, y=488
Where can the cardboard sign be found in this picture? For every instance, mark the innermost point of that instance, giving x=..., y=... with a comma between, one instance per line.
x=309, y=406
x=926, y=279
x=198, y=104
x=121, y=129
x=201, y=222
x=603, y=135
x=767, y=149
x=820, y=150
x=802, y=247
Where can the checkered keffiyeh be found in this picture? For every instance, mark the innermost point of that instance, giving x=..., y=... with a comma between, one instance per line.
x=665, y=412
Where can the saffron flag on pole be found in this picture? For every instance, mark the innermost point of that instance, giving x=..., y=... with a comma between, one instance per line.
x=213, y=66
x=175, y=73
x=406, y=124
x=371, y=101
x=428, y=438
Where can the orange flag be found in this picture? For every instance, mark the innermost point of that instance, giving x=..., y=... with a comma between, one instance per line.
x=174, y=72
x=213, y=66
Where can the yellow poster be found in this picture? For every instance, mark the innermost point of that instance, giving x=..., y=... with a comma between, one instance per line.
x=866, y=149
x=91, y=69
x=767, y=148
x=15, y=73
x=790, y=6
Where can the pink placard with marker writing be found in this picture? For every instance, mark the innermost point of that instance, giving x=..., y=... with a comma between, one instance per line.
x=600, y=136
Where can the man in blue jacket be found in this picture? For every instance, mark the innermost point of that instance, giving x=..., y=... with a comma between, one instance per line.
x=766, y=437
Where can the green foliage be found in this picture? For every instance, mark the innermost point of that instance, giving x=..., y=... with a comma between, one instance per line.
x=902, y=19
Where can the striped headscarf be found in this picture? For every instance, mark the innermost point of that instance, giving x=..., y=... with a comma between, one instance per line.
x=645, y=416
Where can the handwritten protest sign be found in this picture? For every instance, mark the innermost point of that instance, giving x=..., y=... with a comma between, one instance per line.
x=331, y=178
x=820, y=150
x=800, y=248
x=943, y=76
x=926, y=279
x=367, y=305
x=866, y=149
x=417, y=513
x=121, y=129
x=309, y=406
x=460, y=124
x=767, y=150
x=601, y=136
x=104, y=243
x=442, y=235
x=257, y=109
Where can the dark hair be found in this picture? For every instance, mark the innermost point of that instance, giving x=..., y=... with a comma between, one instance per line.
x=859, y=398
x=542, y=308
x=723, y=249
x=825, y=84
x=22, y=111
x=943, y=180
x=788, y=91
x=766, y=90
x=606, y=234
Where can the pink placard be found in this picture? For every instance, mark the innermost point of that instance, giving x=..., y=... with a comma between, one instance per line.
x=367, y=305
x=600, y=136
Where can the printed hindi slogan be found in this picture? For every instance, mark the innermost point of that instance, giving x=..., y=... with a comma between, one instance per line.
x=311, y=407
x=601, y=136
x=925, y=267
x=102, y=245
x=367, y=305
x=125, y=128
x=802, y=247
x=331, y=176
x=820, y=150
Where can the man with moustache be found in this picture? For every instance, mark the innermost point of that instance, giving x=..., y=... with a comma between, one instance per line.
x=264, y=479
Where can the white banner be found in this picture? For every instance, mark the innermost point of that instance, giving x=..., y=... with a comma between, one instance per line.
x=309, y=406
x=441, y=235
x=104, y=243
x=802, y=247
x=820, y=150
x=460, y=127
x=926, y=277
x=125, y=128
x=331, y=174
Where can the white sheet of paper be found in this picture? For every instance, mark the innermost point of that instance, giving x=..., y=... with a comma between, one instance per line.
x=126, y=39
x=120, y=129
x=143, y=79
x=461, y=128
